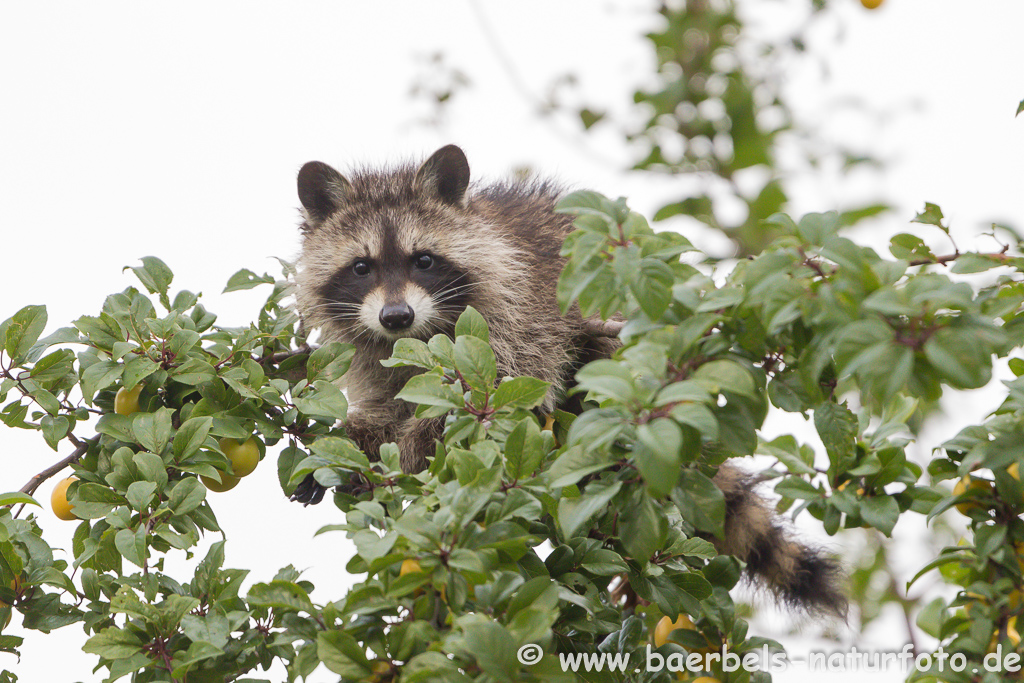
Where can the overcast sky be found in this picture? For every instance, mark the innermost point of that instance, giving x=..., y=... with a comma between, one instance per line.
x=129, y=129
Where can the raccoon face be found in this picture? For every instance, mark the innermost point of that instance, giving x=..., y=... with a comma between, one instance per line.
x=394, y=294
x=373, y=267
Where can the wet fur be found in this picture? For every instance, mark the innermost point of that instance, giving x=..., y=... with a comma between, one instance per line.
x=503, y=240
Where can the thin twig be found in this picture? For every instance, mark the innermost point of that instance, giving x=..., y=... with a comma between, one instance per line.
x=908, y=619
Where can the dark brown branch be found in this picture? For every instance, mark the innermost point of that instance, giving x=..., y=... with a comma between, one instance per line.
x=38, y=479
x=282, y=356
x=942, y=260
x=603, y=328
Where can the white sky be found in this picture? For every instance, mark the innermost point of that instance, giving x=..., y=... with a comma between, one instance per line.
x=129, y=129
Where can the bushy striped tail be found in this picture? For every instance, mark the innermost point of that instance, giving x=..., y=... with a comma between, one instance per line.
x=800, y=576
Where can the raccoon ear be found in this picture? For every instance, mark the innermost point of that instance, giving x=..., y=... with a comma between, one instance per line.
x=445, y=175
x=321, y=189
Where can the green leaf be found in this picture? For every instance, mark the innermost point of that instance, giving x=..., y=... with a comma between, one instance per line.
x=193, y=372
x=139, y=494
x=818, y=228
x=341, y=654
x=881, y=512
x=958, y=358
x=589, y=117
x=325, y=401
x=54, y=366
x=695, y=547
x=644, y=529
x=576, y=463
x=155, y=276
x=607, y=378
x=19, y=332
x=136, y=370
x=191, y=436
x=246, y=279
x=687, y=390
x=588, y=202
x=493, y=647
x=663, y=437
x=341, y=451
x=700, y=502
x=132, y=545
x=332, y=360
x=65, y=335
x=197, y=652
x=931, y=618
x=975, y=263
x=153, y=430
x=213, y=629
x=725, y=375
x=788, y=451
x=370, y=546
x=472, y=324
x=474, y=360
x=698, y=416
x=116, y=426
x=99, y=376
x=430, y=389
x=837, y=427
x=603, y=562
x=186, y=496
x=281, y=595
x=151, y=467
x=113, y=643
x=573, y=513
x=910, y=247
x=520, y=392
x=523, y=450
x=653, y=287
x=797, y=488
x=54, y=429
x=17, y=498
x=410, y=352
x=932, y=215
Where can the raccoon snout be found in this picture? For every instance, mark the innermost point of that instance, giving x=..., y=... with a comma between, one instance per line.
x=397, y=316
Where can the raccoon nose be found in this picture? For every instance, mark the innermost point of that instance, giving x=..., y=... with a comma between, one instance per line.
x=396, y=316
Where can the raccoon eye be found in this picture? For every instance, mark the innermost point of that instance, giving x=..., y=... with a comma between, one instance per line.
x=361, y=268
x=424, y=261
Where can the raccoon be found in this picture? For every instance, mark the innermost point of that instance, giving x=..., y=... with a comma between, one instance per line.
x=400, y=252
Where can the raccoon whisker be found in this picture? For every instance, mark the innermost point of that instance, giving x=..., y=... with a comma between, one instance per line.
x=453, y=290
x=334, y=306
x=445, y=296
x=352, y=315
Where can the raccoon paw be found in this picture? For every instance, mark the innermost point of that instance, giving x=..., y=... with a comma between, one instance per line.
x=308, y=492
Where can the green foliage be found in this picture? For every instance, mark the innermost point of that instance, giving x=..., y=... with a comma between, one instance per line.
x=523, y=530
x=715, y=109
x=138, y=494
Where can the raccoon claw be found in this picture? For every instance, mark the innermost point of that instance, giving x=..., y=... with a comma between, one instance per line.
x=308, y=492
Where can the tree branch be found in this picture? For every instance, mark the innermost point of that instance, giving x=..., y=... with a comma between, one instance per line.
x=38, y=479
x=942, y=260
x=281, y=356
